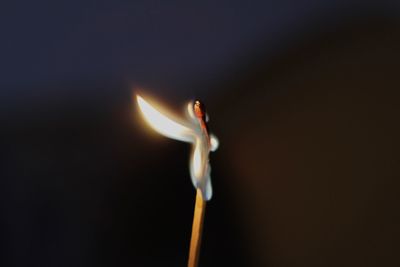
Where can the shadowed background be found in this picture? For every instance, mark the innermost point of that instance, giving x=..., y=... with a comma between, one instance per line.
x=303, y=96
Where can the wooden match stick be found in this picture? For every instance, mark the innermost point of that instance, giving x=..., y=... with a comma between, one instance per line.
x=197, y=229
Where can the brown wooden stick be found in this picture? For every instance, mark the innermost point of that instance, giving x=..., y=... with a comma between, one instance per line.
x=197, y=229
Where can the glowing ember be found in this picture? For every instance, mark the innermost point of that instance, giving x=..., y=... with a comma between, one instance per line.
x=192, y=130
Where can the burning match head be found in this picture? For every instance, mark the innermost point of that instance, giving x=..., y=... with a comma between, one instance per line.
x=199, y=109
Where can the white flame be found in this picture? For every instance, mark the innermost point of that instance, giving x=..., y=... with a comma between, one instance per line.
x=197, y=162
x=187, y=131
x=214, y=142
x=163, y=124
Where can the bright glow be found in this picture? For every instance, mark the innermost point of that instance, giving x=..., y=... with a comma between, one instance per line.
x=214, y=142
x=197, y=163
x=189, y=131
x=200, y=167
x=163, y=124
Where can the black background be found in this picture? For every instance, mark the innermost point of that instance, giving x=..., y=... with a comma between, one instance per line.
x=303, y=96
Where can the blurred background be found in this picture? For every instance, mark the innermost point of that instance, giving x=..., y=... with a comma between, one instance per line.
x=303, y=95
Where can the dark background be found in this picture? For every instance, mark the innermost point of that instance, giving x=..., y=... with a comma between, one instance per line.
x=303, y=96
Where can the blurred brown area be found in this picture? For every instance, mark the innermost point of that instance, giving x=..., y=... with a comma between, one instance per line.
x=310, y=142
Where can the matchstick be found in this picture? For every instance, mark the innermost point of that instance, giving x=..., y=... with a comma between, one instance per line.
x=197, y=229
x=195, y=131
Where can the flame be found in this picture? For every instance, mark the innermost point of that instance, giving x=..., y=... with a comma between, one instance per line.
x=214, y=142
x=188, y=131
x=163, y=124
x=197, y=163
